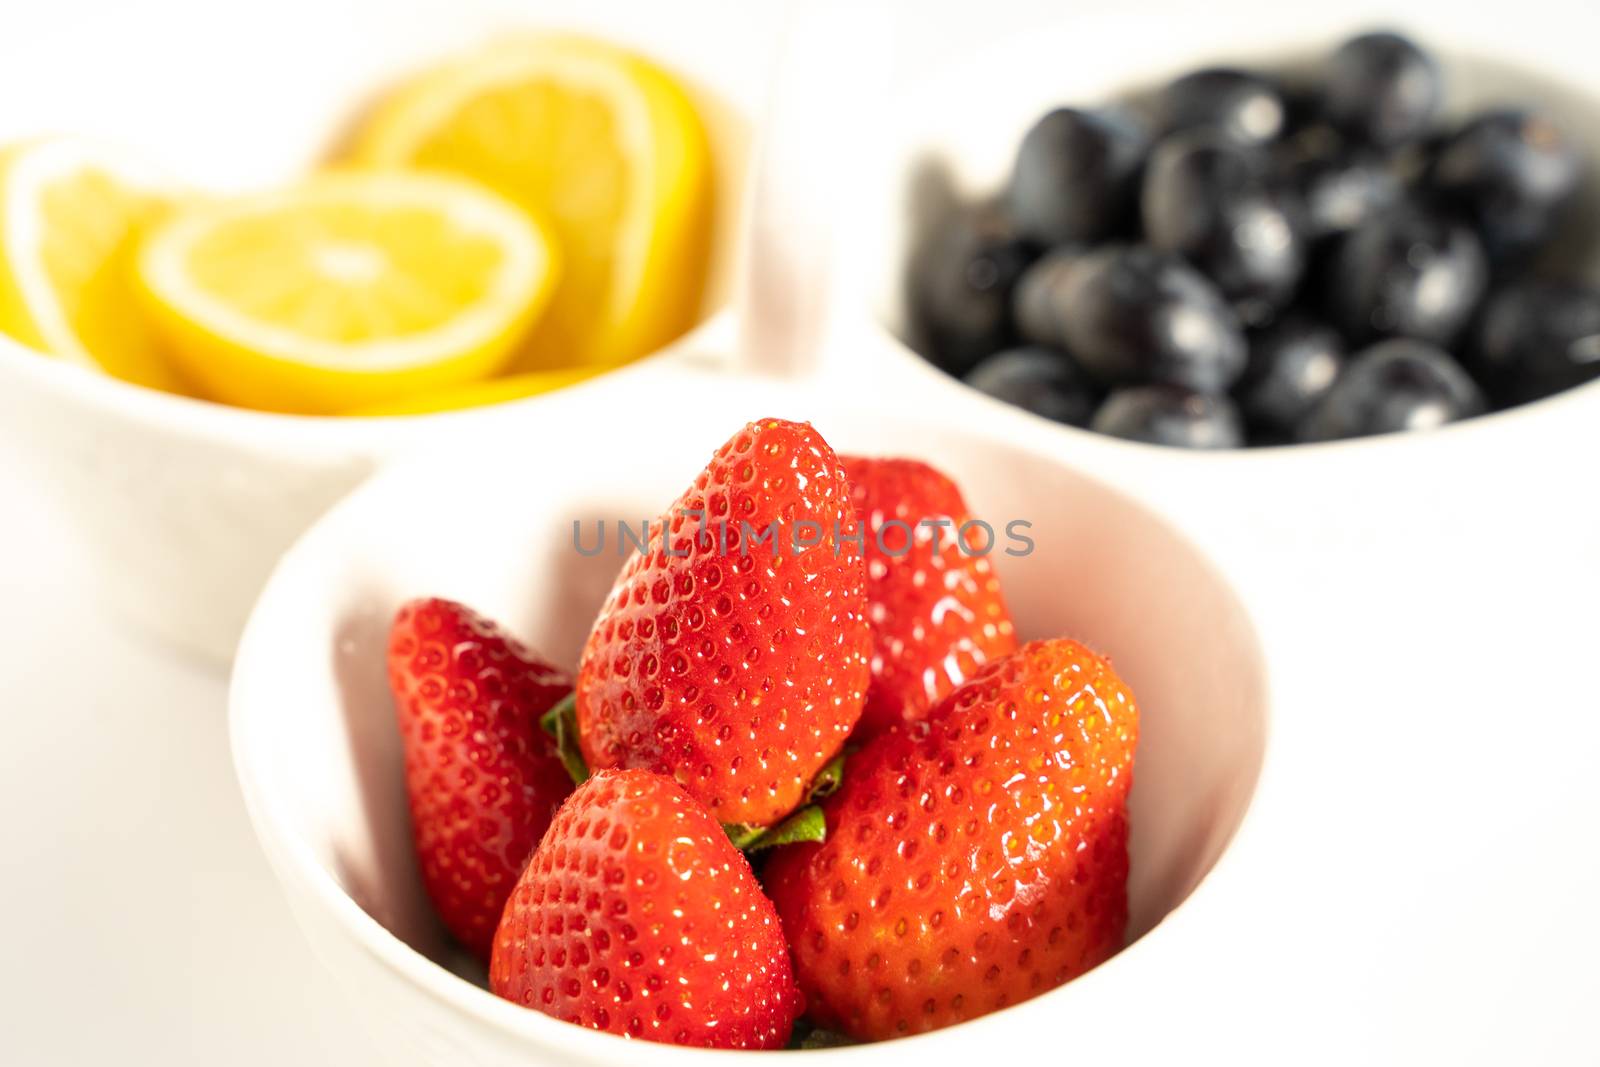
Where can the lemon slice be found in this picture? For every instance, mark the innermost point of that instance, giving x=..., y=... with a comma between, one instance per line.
x=71, y=213
x=600, y=143
x=349, y=290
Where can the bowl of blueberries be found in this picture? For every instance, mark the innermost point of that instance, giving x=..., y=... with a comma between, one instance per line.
x=1347, y=235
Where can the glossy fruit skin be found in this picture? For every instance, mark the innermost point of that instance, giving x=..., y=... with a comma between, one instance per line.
x=1381, y=89
x=937, y=613
x=1045, y=381
x=1293, y=363
x=1135, y=314
x=1409, y=273
x=1392, y=386
x=737, y=670
x=1075, y=177
x=1213, y=202
x=1537, y=338
x=482, y=778
x=1335, y=185
x=1511, y=172
x=1244, y=107
x=958, y=877
x=959, y=288
x=1170, y=415
x=637, y=916
x=1039, y=301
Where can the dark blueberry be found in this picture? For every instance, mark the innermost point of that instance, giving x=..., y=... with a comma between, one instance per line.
x=1292, y=364
x=1382, y=89
x=1409, y=272
x=959, y=289
x=1168, y=415
x=1512, y=172
x=1336, y=186
x=1243, y=107
x=1041, y=380
x=1039, y=302
x=1138, y=315
x=1213, y=202
x=1395, y=385
x=1076, y=176
x=1538, y=338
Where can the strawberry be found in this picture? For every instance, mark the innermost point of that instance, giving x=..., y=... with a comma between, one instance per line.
x=933, y=599
x=636, y=915
x=482, y=778
x=736, y=664
x=973, y=859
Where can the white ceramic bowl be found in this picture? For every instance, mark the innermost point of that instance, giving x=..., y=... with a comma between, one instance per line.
x=184, y=506
x=318, y=753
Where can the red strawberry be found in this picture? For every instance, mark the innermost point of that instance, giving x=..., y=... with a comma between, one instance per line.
x=482, y=777
x=736, y=667
x=936, y=610
x=636, y=915
x=974, y=859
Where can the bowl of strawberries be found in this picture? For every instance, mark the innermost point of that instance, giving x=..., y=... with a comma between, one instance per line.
x=777, y=724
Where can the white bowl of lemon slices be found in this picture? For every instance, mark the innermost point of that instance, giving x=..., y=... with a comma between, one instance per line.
x=193, y=374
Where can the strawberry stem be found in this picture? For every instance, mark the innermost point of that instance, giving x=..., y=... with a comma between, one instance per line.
x=561, y=723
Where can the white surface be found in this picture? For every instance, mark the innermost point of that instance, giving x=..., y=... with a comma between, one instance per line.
x=140, y=922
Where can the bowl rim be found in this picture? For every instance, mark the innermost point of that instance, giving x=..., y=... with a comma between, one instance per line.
x=313, y=434
x=301, y=874
x=1576, y=404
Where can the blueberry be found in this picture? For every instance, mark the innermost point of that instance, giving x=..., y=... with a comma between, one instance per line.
x=1134, y=315
x=1039, y=301
x=1335, y=185
x=1169, y=415
x=959, y=289
x=1076, y=176
x=1511, y=171
x=1398, y=384
x=1212, y=201
x=1538, y=338
x=1382, y=89
x=1243, y=107
x=1408, y=272
x=1293, y=364
x=1041, y=380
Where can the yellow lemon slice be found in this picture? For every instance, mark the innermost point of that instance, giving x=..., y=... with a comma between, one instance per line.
x=349, y=290
x=71, y=213
x=600, y=143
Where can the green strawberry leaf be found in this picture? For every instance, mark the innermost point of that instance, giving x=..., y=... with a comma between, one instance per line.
x=806, y=1036
x=743, y=835
x=561, y=723
x=807, y=824
x=829, y=779
x=804, y=824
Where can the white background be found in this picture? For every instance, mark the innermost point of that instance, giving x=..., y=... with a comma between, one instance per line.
x=140, y=922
